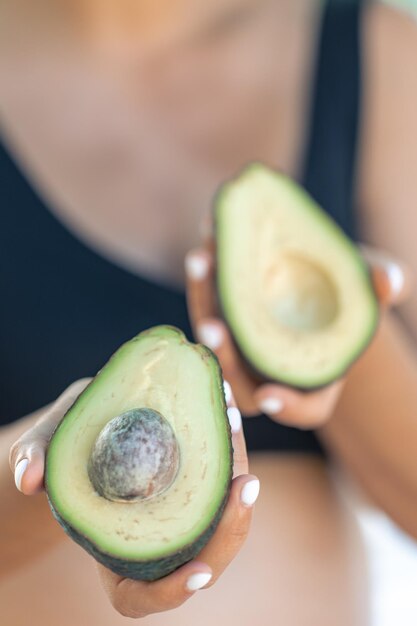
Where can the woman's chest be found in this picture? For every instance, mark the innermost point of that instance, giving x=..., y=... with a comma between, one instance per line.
x=130, y=163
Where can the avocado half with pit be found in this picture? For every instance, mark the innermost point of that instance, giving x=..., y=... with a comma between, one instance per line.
x=293, y=288
x=139, y=469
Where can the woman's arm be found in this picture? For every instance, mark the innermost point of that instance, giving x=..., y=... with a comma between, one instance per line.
x=27, y=528
x=374, y=430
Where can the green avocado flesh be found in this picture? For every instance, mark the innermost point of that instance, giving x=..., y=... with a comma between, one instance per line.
x=159, y=397
x=293, y=288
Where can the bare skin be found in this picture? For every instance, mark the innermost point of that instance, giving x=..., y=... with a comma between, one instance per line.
x=101, y=140
x=317, y=552
x=137, y=123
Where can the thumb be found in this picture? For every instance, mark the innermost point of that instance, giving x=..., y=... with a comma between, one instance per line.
x=27, y=454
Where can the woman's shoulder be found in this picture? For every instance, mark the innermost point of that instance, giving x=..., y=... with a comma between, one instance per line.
x=387, y=180
x=389, y=120
x=390, y=35
x=390, y=56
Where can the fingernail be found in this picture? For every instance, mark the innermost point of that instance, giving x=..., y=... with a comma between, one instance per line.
x=227, y=391
x=270, y=406
x=196, y=266
x=235, y=419
x=198, y=581
x=19, y=470
x=211, y=336
x=392, y=269
x=250, y=492
x=395, y=277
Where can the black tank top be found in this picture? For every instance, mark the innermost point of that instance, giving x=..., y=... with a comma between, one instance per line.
x=65, y=309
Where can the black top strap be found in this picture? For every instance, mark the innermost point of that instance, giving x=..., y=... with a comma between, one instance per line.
x=329, y=168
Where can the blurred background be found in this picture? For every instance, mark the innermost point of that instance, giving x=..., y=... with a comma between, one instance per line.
x=392, y=557
x=409, y=5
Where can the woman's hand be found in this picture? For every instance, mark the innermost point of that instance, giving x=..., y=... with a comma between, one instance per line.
x=134, y=598
x=283, y=404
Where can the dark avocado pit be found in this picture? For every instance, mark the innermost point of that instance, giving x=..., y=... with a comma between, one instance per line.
x=139, y=470
x=135, y=456
x=293, y=288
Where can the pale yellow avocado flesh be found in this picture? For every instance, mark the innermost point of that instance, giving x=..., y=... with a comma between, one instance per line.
x=293, y=288
x=161, y=370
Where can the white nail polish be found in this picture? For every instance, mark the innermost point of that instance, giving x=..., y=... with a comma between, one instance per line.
x=396, y=277
x=271, y=406
x=250, y=492
x=393, y=271
x=196, y=266
x=19, y=471
x=211, y=336
x=198, y=581
x=227, y=392
x=235, y=419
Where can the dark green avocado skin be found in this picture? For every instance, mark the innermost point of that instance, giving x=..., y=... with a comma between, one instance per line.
x=246, y=364
x=144, y=570
x=150, y=570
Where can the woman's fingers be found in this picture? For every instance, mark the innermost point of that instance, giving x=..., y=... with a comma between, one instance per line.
x=301, y=409
x=201, y=294
x=27, y=454
x=137, y=599
x=211, y=331
x=216, y=336
x=240, y=457
x=234, y=525
x=392, y=279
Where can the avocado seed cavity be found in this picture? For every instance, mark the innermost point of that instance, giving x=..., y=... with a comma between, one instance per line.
x=300, y=294
x=135, y=457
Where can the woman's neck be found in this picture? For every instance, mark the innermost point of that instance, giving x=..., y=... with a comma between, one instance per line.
x=132, y=27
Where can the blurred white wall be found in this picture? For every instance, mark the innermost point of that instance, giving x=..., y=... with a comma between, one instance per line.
x=392, y=559
x=393, y=570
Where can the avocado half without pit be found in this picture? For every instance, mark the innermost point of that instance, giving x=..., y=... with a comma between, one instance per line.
x=139, y=470
x=293, y=288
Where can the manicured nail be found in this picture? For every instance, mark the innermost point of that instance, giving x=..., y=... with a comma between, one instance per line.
x=235, y=419
x=227, y=392
x=395, y=277
x=211, y=336
x=198, y=581
x=392, y=269
x=270, y=406
x=250, y=492
x=196, y=266
x=19, y=470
